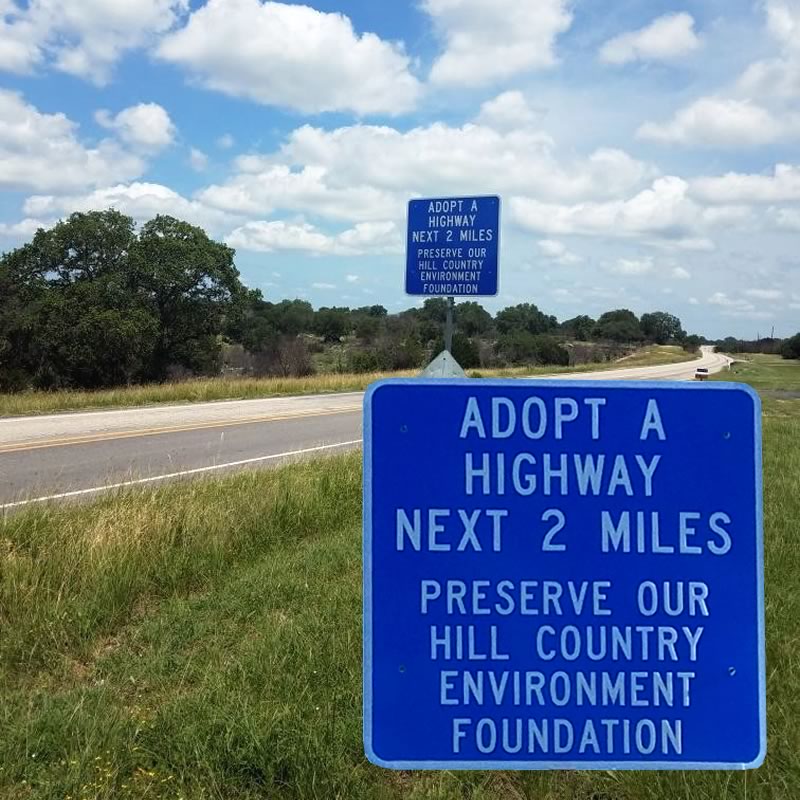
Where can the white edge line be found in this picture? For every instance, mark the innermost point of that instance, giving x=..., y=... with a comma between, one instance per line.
x=183, y=473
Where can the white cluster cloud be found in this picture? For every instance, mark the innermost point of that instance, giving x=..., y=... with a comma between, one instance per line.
x=490, y=41
x=783, y=21
x=558, y=252
x=81, y=37
x=777, y=79
x=259, y=187
x=738, y=307
x=292, y=56
x=764, y=294
x=24, y=229
x=367, y=237
x=508, y=111
x=146, y=126
x=632, y=266
x=42, y=152
x=787, y=218
x=198, y=160
x=665, y=39
x=773, y=79
x=723, y=122
x=664, y=211
x=142, y=201
x=734, y=187
x=367, y=173
x=364, y=175
x=759, y=109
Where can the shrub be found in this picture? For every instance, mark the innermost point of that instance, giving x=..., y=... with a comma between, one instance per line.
x=791, y=347
x=465, y=351
x=521, y=347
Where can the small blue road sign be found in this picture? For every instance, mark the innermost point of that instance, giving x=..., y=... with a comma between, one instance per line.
x=563, y=575
x=453, y=245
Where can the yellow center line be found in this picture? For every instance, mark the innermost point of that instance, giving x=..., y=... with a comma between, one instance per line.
x=107, y=437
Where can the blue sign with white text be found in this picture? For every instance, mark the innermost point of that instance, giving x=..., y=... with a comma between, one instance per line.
x=563, y=575
x=453, y=246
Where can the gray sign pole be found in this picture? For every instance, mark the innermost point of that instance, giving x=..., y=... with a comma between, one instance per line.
x=448, y=325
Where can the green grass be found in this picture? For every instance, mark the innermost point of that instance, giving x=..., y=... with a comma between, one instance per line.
x=655, y=356
x=192, y=391
x=210, y=389
x=203, y=641
x=771, y=373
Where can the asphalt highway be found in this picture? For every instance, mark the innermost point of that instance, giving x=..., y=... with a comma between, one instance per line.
x=683, y=371
x=76, y=455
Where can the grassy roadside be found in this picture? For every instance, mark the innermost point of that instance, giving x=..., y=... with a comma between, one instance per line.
x=203, y=641
x=655, y=356
x=765, y=373
x=210, y=389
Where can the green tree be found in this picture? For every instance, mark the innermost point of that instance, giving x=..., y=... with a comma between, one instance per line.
x=691, y=344
x=367, y=327
x=23, y=289
x=293, y=317
x=791, y=347
x=579, y=327
x=521, y=347
x=368, y=321
x=550, y=351
x=661, y=327
x=70, y=314
x=472, y=319
x=524, y=317
x=371, y=311
x=434, y=309
x=465, y=351
x=190, y=282
x=251, y=322
x=432, y=317
x=333, y=323
x=729, y=345
x=621, y=325
x=90, y=342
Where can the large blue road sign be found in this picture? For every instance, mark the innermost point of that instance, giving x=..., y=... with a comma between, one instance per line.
x=453, y=246
x=563, y=574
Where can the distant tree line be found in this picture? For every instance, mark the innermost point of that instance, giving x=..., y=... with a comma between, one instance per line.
x=788, y=348
x=767, y=346
x=94, y=302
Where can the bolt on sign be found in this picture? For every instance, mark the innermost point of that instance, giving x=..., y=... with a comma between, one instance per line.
x=563, y=575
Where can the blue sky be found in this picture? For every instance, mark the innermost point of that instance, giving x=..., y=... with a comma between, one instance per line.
x=647, y=152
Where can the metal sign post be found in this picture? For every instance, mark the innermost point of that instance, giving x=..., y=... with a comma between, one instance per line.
x=448, y=325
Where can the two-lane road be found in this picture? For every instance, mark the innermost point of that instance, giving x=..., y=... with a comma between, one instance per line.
x=77, y=455
x=682, y=371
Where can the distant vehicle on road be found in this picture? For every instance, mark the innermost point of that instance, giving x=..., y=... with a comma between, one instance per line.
x=701, y=374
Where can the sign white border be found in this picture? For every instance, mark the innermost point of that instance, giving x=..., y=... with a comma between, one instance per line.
x=458, y=297
x=552, y=765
